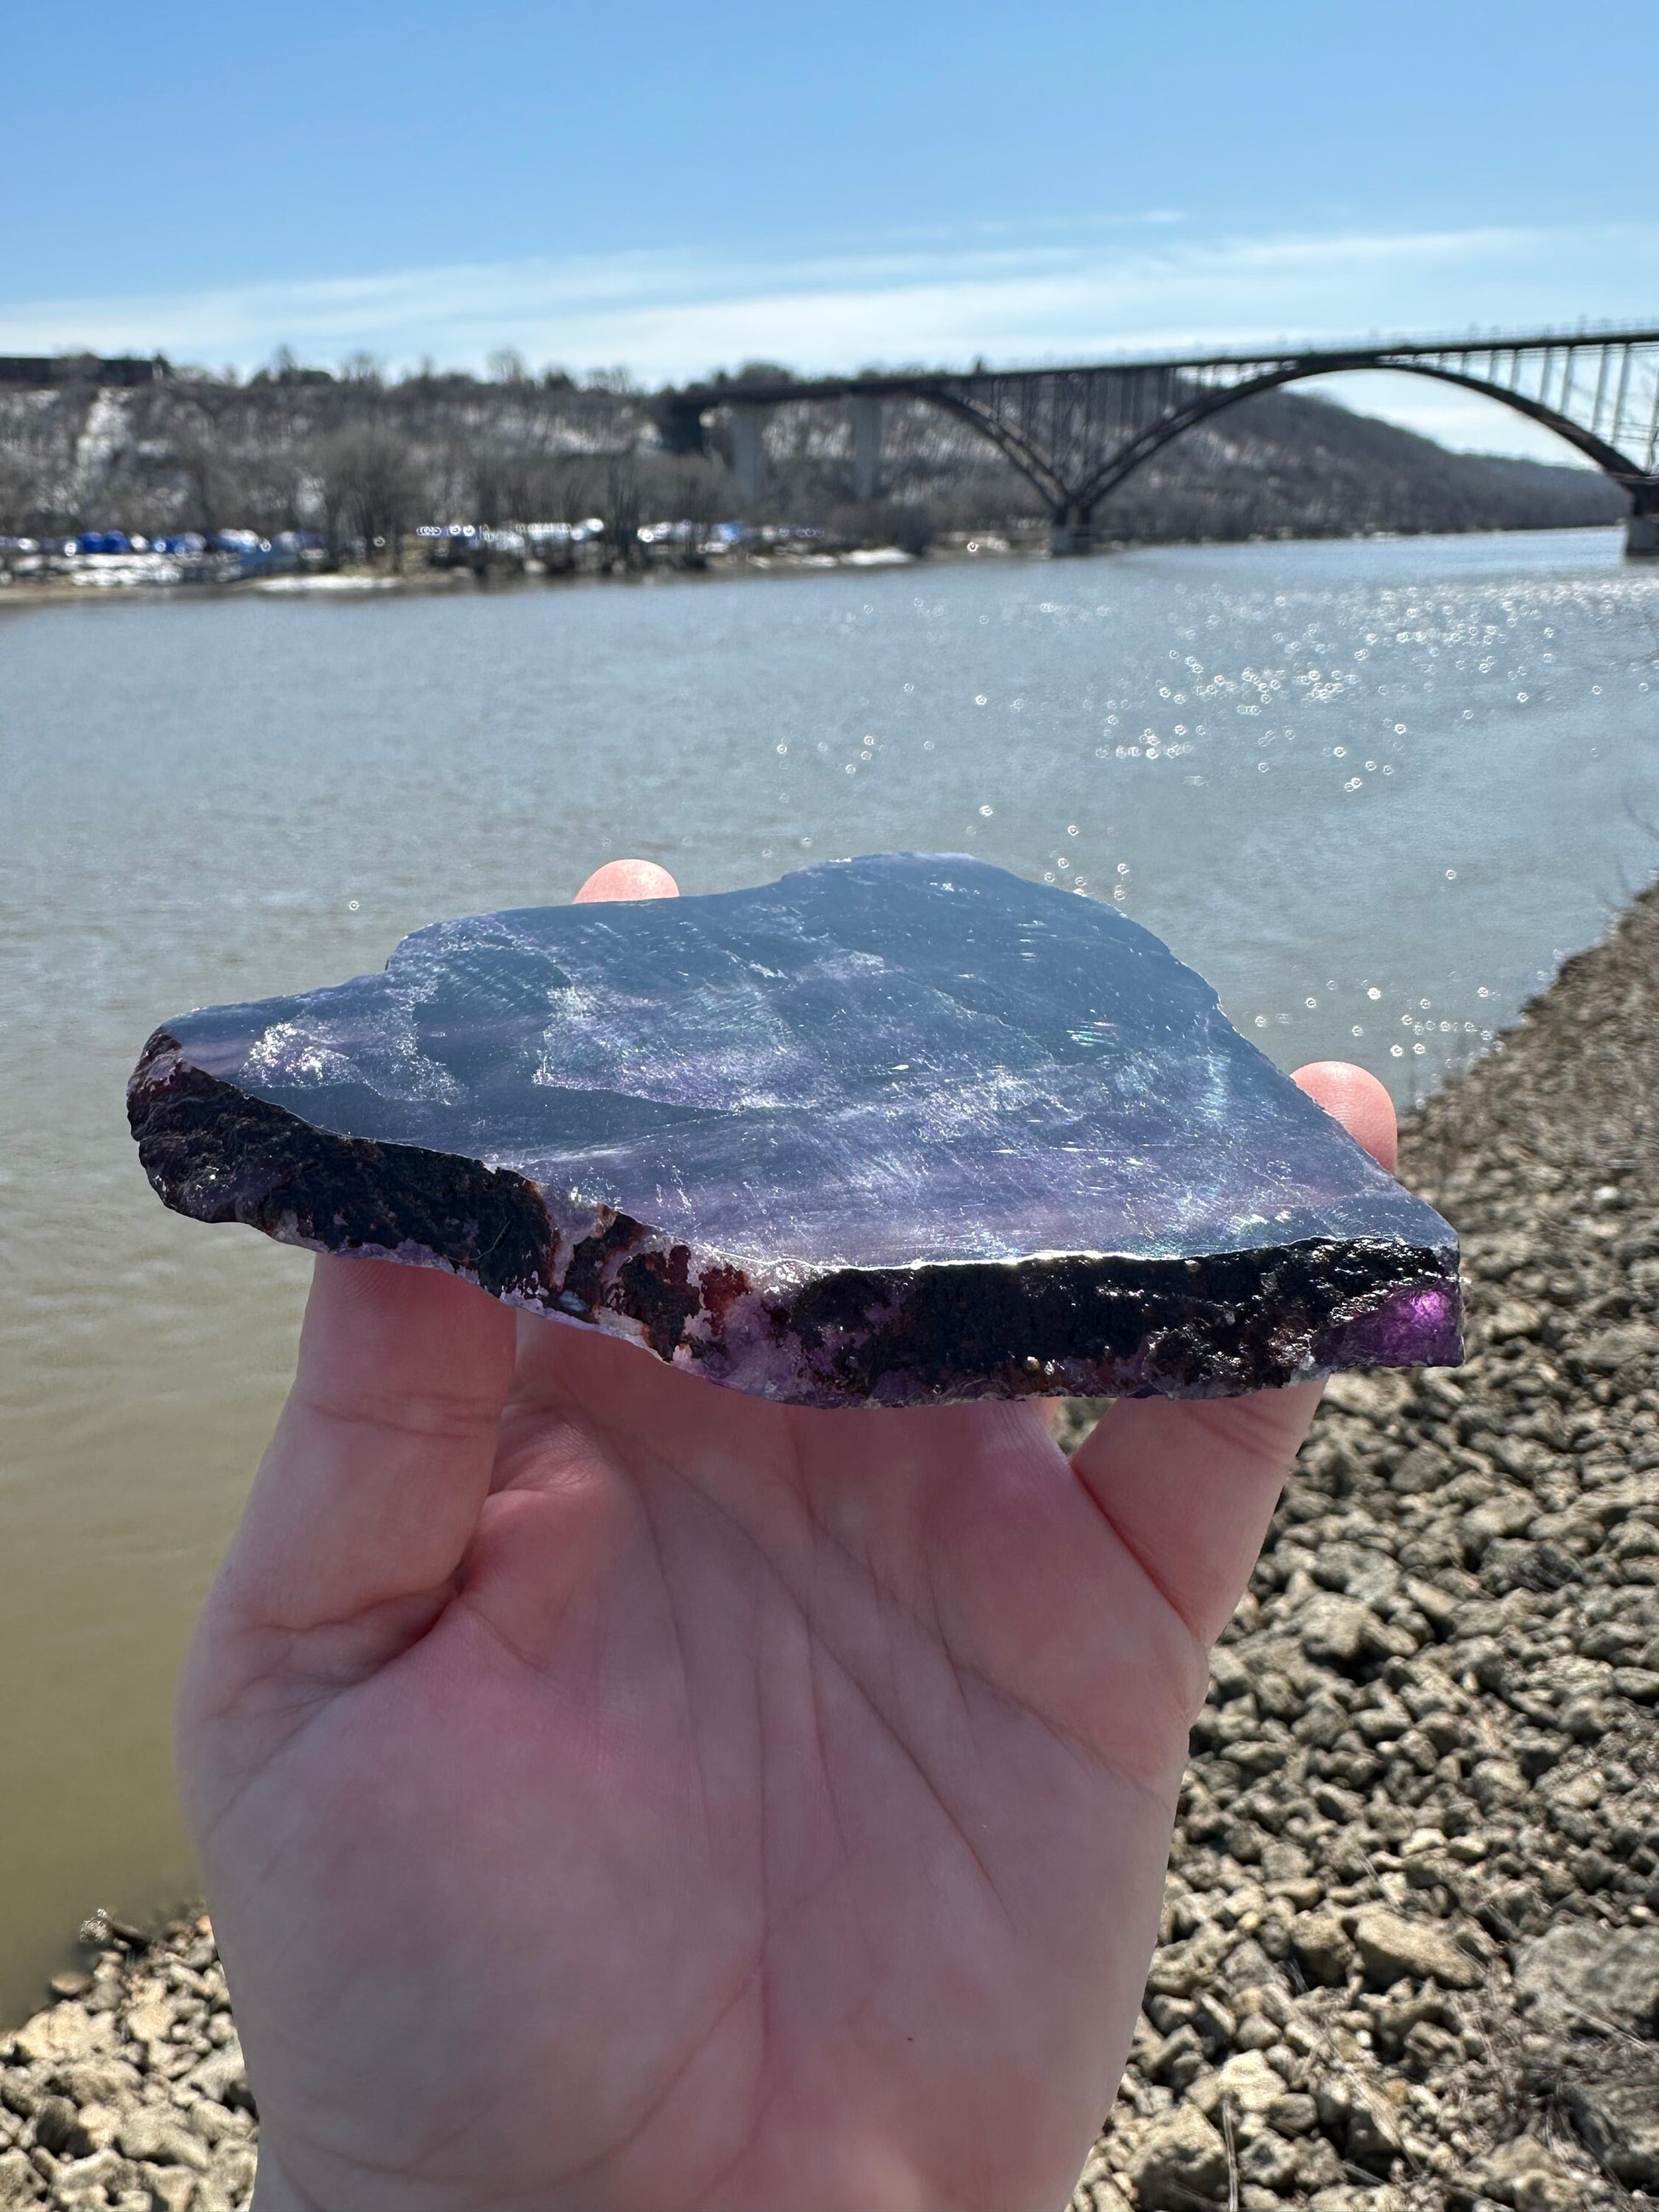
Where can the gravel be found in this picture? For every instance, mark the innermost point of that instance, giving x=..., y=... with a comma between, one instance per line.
x=1416, y=1872
x=129, y=2090
x=1410, y=1945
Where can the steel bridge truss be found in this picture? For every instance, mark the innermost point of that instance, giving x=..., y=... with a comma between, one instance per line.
x=1076, y=433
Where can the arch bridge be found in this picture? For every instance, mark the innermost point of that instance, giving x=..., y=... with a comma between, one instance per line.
x=1075, y=433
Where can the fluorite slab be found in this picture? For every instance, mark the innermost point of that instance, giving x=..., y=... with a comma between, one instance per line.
x=890, y=1131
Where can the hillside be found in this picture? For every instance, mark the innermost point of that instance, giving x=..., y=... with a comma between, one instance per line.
x=1288, y=465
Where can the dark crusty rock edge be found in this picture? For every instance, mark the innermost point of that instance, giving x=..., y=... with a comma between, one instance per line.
x=1179, y=1328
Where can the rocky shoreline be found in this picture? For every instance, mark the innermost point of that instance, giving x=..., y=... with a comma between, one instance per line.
x=129, y=2091
x=1411, y=1940
x=1411, y=1954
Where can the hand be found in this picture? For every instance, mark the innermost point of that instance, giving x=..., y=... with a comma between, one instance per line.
x=612, y=1791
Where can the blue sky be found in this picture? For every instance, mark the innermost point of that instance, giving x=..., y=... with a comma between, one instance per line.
x=673, y=188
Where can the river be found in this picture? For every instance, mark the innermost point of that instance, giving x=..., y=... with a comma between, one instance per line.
x=1375, y=790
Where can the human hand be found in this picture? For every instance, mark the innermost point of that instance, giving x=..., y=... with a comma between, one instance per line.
x=613, y=1791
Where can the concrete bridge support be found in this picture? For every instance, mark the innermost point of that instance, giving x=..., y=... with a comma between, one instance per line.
x=864, y=412
x=749, y=450
x=1071, y=533
x=1642, y=530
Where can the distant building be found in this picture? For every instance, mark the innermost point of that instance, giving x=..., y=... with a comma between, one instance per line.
x=45, y=372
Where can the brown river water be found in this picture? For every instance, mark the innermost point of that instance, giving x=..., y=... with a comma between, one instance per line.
x=1375, y=791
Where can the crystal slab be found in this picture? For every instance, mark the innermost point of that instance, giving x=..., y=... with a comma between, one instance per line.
x=889, y=1131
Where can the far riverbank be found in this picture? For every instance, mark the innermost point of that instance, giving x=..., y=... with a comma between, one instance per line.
x=109, y=578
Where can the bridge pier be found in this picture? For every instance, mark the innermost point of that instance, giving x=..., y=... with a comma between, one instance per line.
x=679, y=425
x=1070, y=533
x=749, y=450
x=1642, y=530
x=864, y=412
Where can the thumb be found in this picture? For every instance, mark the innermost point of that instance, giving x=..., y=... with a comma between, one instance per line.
x=367, y=1497
x=365, y=1504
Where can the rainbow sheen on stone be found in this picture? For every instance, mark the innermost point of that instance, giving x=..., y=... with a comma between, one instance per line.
x=890, y=1131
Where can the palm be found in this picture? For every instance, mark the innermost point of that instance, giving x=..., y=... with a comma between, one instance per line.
x=614, y=1791
x=815, y=1763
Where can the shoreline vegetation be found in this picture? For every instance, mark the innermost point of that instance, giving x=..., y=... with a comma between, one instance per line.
x=1409, y=1956
x=416, y=572
x=298, y=474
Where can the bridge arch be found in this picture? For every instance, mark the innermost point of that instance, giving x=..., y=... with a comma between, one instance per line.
x=1017, y=447
x=1204, y=403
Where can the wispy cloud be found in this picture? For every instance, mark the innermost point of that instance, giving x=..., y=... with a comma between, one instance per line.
x=1051, y=292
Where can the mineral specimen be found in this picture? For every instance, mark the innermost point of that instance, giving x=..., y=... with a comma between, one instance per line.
x=889, y=1131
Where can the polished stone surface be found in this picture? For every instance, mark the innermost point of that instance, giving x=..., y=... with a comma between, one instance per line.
x=892, y=1130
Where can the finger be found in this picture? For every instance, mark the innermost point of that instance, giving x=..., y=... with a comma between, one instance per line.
x=371, y=1490
x=1357, y=1100
x=1190, y=1486
x=628, y=879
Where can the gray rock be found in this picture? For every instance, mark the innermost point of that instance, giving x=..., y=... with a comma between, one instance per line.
x=1334, y=1629
x=235, y=2170
x=78, y=2178
x=20, y=2184
x=1284, y=1861
x=1610, y=1349
x=1608, y=1977
x=1293, y=2114
x=1373, y=2137
x=1213, y=2023
x=157, y=2138
x=1269, y=2161
x=1616, y=2109
x=1181, y=2163
x=1393, y=1948
x=63, y=2033
x=171, y=2188
x=1248, y=1967
x=1424, y=1467
x=1321, y=1949
x=57, y=2129
x=99, y=2080
x=223, y=2077
x=1179, y=2061
x=1585, y=1719
x=1318, y=2167
x=1513, y=1318
x=1523, y=2174
x=1496, y=1783
x=1250, y=2085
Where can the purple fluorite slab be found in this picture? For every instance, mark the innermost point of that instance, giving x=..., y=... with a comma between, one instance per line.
x=891, y=1131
